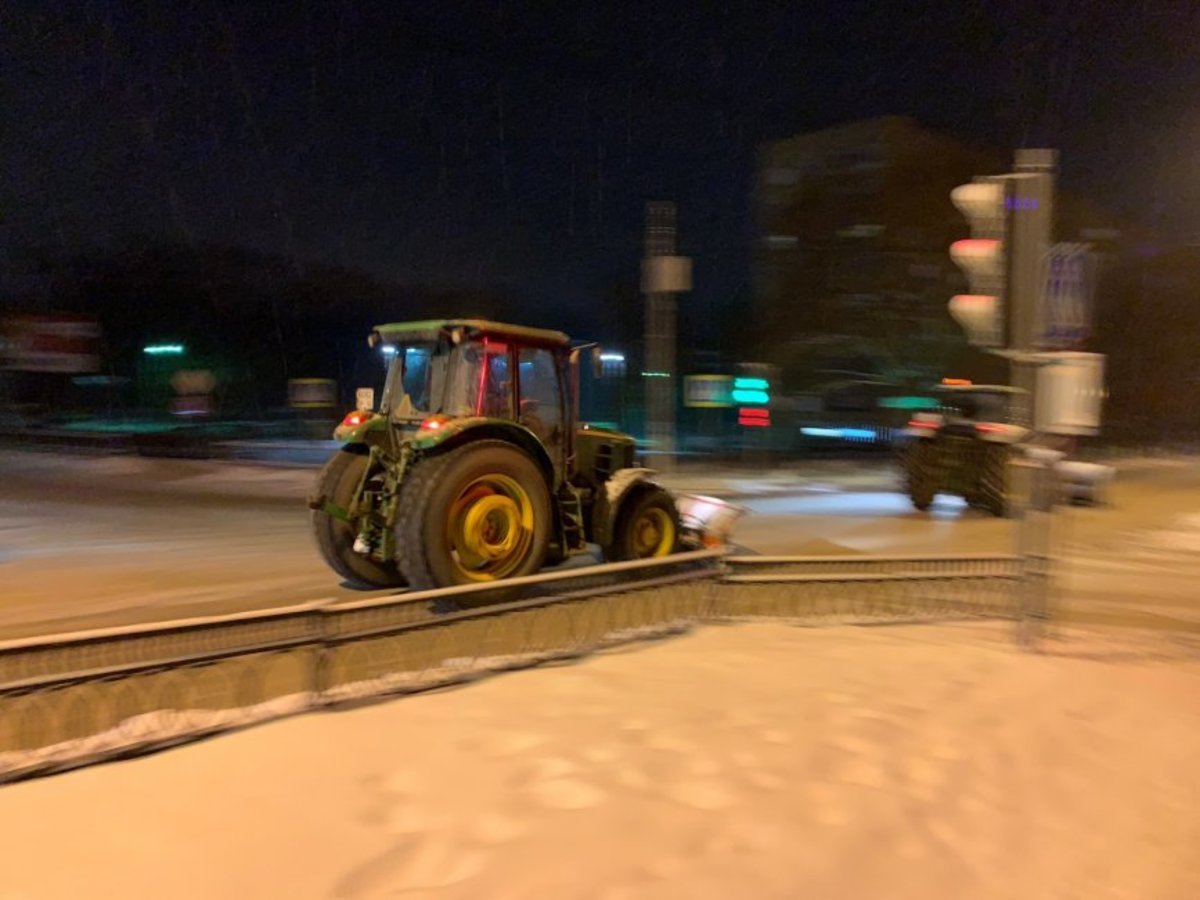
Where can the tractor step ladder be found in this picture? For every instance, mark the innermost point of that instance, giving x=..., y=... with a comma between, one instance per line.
x=573, y=532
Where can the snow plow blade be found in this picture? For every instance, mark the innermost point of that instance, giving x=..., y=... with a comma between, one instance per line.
x=707, y=521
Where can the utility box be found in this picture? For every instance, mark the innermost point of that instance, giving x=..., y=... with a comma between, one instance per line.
x=1070, y=393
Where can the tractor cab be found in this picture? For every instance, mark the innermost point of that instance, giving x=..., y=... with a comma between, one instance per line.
x=970, y=410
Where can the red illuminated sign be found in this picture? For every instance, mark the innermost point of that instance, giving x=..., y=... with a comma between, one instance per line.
x=752, y=417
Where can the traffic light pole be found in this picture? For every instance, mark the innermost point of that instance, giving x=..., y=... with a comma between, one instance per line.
x=1032, y=202
x=659, y=377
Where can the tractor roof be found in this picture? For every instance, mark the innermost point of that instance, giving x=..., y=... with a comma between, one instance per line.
x=430, y=329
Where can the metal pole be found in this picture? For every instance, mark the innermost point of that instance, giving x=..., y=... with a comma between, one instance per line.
x=1032, y=217
x=659, y=375
x=1035, y=545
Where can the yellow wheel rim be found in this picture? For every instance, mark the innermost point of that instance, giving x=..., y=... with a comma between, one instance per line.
x=653, y=533
x=490, y=527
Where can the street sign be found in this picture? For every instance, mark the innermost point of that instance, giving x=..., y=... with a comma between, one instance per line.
x=1071, y=393
x=709, y=391
x=193, y=381
x=754, y=417
x=64, y=343
x=312, y=393
x=1070, y=285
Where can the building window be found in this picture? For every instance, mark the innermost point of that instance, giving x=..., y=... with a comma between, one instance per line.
x=782, y=241
x=781, y=176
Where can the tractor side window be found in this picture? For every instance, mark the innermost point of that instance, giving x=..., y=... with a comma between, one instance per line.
x=541, y=399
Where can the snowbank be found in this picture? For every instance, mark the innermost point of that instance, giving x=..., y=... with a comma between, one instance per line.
x=744, y=761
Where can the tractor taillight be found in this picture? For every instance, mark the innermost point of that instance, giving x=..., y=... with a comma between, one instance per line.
x=433, y=423
x=921, y=423
x=356, y=418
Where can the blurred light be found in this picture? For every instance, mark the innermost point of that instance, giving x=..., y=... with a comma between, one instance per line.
x=907, y=402
x=751, y=384
x=433, y=423
x=656, y=374
x=356, y=418
x=747, y=396
x=754, y=418
x=163, y=349
x=956, y=381
x=388, y=350
x=921, y=423
x=612, y=357
x=843, y=434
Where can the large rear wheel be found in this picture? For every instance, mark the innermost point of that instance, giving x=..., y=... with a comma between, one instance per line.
x=993, y=482
x=920, y=474
x=335, y=536
x=479, y=513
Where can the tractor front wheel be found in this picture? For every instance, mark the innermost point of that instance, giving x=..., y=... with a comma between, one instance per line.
x=479, y=513
x=335, y=529
x=647, y=527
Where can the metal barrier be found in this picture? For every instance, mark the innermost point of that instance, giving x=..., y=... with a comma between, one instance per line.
x=67, y=700
x=829, y=589
x=74, y=699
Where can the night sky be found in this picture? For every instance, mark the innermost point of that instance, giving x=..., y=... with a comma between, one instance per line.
x=514, y=145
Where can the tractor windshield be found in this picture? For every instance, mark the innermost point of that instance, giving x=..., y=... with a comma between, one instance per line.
x=415, y=381
x=482, y=384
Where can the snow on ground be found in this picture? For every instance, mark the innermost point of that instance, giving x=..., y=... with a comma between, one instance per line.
x=756, y=761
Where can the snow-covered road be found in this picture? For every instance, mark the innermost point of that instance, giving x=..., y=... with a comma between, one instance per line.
x=114, y=540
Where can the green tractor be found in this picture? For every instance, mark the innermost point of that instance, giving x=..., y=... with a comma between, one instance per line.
x=964, y=447
x=474, y=469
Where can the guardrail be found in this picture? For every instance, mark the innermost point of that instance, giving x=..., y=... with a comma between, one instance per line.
x=825, y=589
x=70, y=700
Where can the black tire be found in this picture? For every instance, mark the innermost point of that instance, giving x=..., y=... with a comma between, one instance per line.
x=919, y=475
x=335, y=537
x=429, y=547
x=993, y=481
x=647, y=526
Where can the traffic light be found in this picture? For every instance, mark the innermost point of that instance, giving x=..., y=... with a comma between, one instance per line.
x=987, y=204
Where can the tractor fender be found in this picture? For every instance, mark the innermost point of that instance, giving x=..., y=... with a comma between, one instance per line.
x=466, y=431
x=361, y=432
x=622, y=484
x=1003, y=434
